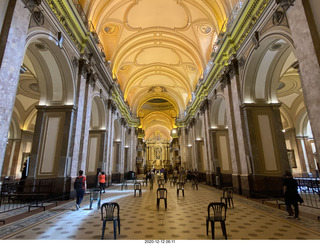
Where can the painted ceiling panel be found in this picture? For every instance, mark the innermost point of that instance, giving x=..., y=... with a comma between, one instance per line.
x=155, y=55
x=164, y=13
x=157, y=49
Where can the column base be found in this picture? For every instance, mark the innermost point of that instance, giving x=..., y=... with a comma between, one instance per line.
x=258, y=186
x=47, y=189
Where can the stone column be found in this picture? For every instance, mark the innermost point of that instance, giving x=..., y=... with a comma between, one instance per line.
x=239, y=152
x=90, y=83
x=147, y=154
x=207, y=142
x=83, y=70
x=103, y=146
x=306, y=156
x=131, y=151
x=57, y=121
x=11, y=163
x=267, y=148
x=168, y=156
x=291, y=143
x=51, y=146
x=104, y=149
x=306, y=41
x=183, y=146
x=215, y=157
x=301, y=148
x=310, y=156
x=122, y=146
x=194, y=146
x=12, y=48
x=111, y=112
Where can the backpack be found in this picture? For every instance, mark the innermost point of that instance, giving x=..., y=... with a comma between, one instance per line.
x=78, y=184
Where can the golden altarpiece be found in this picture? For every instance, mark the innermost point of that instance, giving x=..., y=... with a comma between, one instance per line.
x=158, y=152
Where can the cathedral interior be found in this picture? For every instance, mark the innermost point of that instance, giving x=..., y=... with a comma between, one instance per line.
x=229, y=88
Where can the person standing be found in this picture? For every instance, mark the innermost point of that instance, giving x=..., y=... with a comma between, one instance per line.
x=151, y=179
x=165, y=175
x=102, y=181
x=80, y=186
x=291, y=196
x=182, y=174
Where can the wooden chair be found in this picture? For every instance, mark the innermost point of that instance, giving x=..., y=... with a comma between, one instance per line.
x=162, y=194
x=110, y=211
x=217, y=212
x=137, y=187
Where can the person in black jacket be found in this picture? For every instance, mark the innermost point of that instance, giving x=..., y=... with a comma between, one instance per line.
x=291, y=196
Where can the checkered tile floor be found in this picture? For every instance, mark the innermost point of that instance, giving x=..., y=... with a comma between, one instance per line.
x=184, y=219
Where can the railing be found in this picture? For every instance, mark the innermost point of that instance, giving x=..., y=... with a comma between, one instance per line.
x=234, y=14
x=308, y=188
x=310, y=192
x=27, y=193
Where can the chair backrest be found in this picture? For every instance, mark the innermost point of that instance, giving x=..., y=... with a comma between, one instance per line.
x=95, y=193
x=180, y=185
x=161, y=181
x=228, y=193
x=217, y=211
x=110, y=210
x=162, y=193
x=137, y=186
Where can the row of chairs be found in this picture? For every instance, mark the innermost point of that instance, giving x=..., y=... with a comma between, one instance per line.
x=137, y=187
x=216, y=210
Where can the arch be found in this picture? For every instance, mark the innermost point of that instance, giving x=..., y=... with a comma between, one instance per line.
x=301, y=123
x=98, y=114
x=146, y=95
x=218, y=117
x=152, y=129
x=14, y=129
x=51, y=67
x=117, y=130
x=264, y=68
x=198, y=130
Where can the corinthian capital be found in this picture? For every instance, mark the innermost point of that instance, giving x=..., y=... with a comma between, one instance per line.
x=84, y=67
x=233, y=67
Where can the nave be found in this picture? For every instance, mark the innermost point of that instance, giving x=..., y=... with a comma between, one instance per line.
x=184, y=219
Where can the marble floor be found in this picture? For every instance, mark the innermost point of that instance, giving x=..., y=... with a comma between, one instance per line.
x=184, y=219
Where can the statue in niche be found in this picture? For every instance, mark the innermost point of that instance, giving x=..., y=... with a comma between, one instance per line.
x=157, y=153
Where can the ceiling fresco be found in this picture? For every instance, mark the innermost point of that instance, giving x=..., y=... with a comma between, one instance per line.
x=157, y=50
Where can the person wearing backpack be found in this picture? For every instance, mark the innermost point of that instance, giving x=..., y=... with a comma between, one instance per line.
x=80, y=186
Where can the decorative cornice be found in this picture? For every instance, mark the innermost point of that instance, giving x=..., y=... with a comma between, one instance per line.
x=67, y=16
x=123, y=108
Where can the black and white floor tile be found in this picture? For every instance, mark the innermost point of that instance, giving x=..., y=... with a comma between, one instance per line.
x=184, y=219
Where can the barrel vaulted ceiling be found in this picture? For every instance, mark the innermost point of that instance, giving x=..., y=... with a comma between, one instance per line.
x=157, y=51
